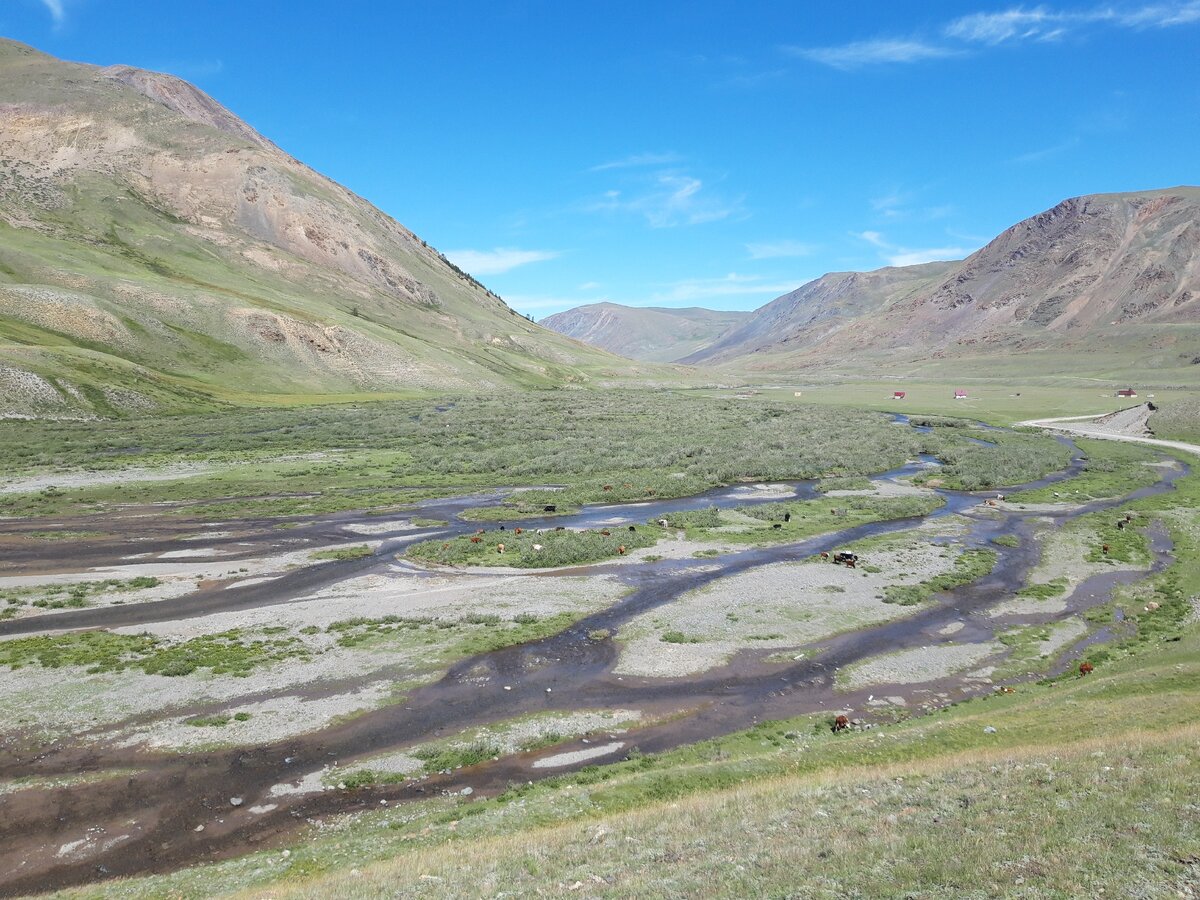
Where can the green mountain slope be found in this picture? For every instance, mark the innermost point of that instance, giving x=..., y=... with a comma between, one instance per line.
x=158, y=253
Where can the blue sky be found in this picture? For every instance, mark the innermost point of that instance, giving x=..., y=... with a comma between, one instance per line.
x=683, y=153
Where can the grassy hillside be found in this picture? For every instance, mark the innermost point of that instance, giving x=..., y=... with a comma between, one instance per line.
x=647, y=333
x=156, y=253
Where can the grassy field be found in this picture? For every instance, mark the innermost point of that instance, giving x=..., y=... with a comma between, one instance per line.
x=1177, y=419
x=597, y=447
x=1070, y=786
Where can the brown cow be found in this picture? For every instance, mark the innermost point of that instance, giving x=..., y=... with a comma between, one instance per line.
x=621, y=549
x=1105, y=549
x=476, y=539
x=518, y=530
x=824, y=555
x=1085, y=668
x=607, y=487
x=841, y=723
x=606, y=533
x=499, y=548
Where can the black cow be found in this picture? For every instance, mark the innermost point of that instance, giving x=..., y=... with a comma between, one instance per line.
x=550, y=508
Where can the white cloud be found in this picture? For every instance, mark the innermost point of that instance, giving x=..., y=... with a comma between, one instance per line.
x=1045, y=152
x=637, y=160
x=497, y=261
x=994, y=28
x=671, y=199
x=858, y=54
x=895, y=255
x=1045, y=24
x=57, y=12
x=690, y=290
x=780, y=249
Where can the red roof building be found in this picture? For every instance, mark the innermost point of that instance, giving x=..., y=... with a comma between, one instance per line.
x=960, y=394
x=1127, y=392
x=897, y=395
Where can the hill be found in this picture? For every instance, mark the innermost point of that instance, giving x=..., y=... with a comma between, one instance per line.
x=1096, y=283
x=651, y=333
x=158, y=253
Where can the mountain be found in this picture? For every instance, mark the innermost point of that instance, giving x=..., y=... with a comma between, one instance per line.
x=819, y=309
x=156, y=252
x=1098, y=283
x=649, y=333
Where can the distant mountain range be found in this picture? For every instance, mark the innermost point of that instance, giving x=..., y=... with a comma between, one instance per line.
x=650, y=333
x=1108, y=282
x=158, y=253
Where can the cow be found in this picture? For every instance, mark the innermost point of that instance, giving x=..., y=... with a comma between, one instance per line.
x=1151, y=606
x=549, y=507
x=518, y=530
x=1105, y=549
x=841, y=723
x=776, y=525
x=633, y=528
x=824, y=555
x=650, y=492
x=607, y=487
x=476, y=539
x=537, y=548
x=787, y=517
x=662, y=523
x=1121, y=525
x=845, y=558
x=606, y=532
x=621, y=549
x=1085, y=668
x=479, y=531
x=502, y=528
x=499, y=548
x=559, y=528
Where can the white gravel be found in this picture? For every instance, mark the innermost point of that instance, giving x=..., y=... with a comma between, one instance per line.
x=917, y=665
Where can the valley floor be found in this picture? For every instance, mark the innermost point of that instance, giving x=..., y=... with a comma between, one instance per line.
x=629, y=693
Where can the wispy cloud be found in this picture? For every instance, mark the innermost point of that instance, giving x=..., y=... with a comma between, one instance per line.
x=1045, y=152
x=896, y=255
x=859, y=54
x=499, y=260
x=1014, y=25
x=690, y=290
x=57, y=12
x=638, y=160
x=668, y=200
x=1042, y=23
x=780, y=249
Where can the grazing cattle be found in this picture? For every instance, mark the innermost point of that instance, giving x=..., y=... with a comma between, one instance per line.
x=1151, y=606
x=776, y=525
x=787, y=517
x=662, y=523
x=845, y=558
x=549, y=507
x=499, y=548
x=627, y=485
x=1121, y=525
x=537, y=548
x=479, y=531
x=445, y=546
x=1128, y=517
x=1105, y=549
x=501, y=527
x=476, y=539
x=824, y=555
x=633, y=528
x=841, y=723
x=606, y=533
x=1085, y=668
x=650, y=492
x=518, y=530
x=607, y=487
x=559, y=528
x=621, y=549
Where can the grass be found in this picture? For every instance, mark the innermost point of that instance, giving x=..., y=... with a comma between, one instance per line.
x=533, y=550
x=68, y=596
x=1177, y=419
x=342, y=553
x=1085, y=783
x=225, y=653
x=383, y=456
x=970, y=565
x=1111, y=469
